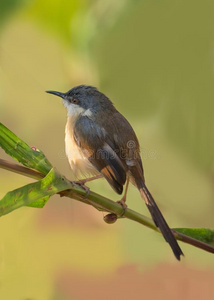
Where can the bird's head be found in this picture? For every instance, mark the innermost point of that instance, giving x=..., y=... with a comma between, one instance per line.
x=84, y=100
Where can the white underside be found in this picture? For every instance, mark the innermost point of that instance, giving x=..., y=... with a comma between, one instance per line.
x=79, y=164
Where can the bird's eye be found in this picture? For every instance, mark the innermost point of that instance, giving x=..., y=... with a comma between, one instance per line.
x=74, y=101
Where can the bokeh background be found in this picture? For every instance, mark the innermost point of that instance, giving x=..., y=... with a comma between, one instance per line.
x=155, y=60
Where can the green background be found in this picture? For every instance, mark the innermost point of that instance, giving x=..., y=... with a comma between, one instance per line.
x=155, y=60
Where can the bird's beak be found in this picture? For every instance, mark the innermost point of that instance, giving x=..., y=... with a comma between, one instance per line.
x=59, y=94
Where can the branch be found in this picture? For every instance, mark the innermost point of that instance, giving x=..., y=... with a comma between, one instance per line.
x=9, y=166
x=104, y=204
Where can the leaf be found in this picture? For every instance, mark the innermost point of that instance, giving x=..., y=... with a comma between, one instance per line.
x=40, y=203
x=201, y=234
x=19, y=150
x=38, y=191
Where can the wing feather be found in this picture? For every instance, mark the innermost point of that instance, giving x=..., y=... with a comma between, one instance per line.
x=95, y=146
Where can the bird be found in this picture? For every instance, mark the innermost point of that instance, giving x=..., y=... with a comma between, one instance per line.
x=100, y=142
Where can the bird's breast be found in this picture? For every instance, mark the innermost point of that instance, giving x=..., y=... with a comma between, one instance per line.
x=79, y=164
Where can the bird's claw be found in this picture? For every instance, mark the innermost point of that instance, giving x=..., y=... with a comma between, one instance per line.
x=124, y=206
x=81, y=183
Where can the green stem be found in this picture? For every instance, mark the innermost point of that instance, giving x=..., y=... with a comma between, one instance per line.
x=9, y=166
x=103, y=203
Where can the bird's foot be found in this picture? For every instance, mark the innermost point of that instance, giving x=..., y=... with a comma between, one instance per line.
x=81, y=183
x=124, y=206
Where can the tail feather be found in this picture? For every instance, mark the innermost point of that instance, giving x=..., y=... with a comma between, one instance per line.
x=160, y=222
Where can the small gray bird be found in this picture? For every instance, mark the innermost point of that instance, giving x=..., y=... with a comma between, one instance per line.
x=100, y=142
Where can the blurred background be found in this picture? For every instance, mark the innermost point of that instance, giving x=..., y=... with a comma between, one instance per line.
x=155, y=60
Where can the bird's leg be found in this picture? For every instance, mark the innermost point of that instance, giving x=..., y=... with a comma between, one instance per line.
x=112, y=217
x=82, y=183
x=122, y=202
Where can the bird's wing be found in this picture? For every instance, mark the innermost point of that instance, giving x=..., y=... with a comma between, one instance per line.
x=99, y=150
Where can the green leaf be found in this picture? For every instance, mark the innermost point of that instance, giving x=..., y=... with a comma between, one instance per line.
x=28, y=194
x=200, y=234
x=19, y=150
x=40, y=203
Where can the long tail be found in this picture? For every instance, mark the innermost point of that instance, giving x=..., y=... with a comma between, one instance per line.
x=160, y=221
